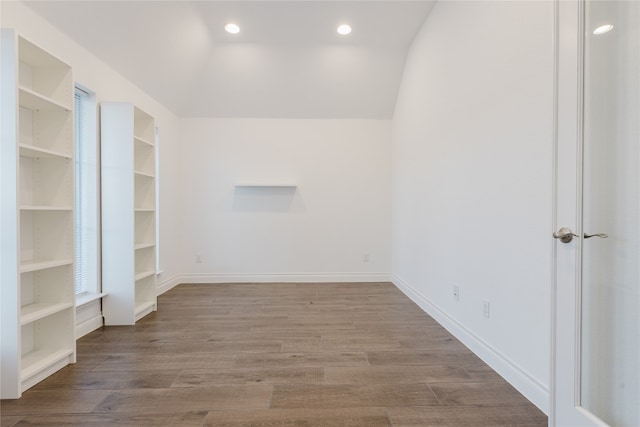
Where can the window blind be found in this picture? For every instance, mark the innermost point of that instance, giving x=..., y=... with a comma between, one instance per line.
x=83, y=239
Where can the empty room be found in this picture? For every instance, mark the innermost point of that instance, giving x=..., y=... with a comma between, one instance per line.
x=320, y=213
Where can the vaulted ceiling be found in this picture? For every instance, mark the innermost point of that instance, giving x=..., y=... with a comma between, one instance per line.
x=287, y=61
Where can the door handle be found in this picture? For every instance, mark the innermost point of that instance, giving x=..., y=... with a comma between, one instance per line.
x=600, y=235
x=565, y=234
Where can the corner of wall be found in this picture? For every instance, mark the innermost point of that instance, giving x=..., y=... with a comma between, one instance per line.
x=501, y=363
x=166, y=285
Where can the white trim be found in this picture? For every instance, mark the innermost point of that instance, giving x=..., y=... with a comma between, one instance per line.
x=285, y=277
x=48, y=367
x=554, y=219
x=88, y=326
x=156, y=154
x=87, y=297
x=89, y=315
x=168, y=284
x=524, y=382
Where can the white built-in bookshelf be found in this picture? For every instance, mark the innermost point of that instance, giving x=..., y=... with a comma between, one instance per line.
x=128, y=213
x=37, y=288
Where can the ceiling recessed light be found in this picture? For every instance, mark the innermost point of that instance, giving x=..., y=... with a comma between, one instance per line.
x=344, y=29
x=603, y=29
x=232, y=28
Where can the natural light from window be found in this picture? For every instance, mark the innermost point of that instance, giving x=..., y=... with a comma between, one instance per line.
x=86, y=193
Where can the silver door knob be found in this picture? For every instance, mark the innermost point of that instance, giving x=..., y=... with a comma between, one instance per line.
x=565, y=234
x=600, y=235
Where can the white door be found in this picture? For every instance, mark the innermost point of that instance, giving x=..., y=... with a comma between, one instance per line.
x=596, y=362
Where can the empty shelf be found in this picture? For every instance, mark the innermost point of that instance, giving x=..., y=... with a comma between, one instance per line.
x=32, y=312
x=28, y=266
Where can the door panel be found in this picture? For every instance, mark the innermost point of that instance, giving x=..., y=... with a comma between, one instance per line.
x=596, y=365
x=610, y=368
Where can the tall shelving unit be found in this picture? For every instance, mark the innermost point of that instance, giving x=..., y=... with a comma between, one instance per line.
x=37, y=288
x=128, y=213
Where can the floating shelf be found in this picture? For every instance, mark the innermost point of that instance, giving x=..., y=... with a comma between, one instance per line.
x=34, y=152
x=29, y=266
x=266, y=185
x=32, y=312
x=35, y=101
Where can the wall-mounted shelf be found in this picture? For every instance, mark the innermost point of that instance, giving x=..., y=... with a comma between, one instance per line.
x=266, y=185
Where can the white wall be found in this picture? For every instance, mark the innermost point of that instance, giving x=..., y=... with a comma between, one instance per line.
x=472, y=157
x=320, y=231
x=108, y=85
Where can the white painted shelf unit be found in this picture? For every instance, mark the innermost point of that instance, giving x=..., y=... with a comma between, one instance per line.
x=128, y=213
x=37, y=288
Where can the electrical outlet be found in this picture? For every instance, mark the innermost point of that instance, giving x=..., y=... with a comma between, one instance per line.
x=486, y=308
x=198, y=259
x=456, y=293
x=366, y=258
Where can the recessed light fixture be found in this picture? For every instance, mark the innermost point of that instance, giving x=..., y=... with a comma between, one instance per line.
x=232, y=28
x=603, y=29
x=344, y=29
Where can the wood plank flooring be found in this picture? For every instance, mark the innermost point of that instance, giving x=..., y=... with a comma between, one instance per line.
x=330, y=354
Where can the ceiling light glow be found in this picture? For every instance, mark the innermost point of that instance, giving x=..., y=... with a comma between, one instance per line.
x=603, y=29
x=344, y=29
x=232, y=28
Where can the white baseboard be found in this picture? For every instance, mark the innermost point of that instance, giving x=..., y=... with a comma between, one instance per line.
x=530, y=387
x=271, y=278
x=88, y=325
x=167, y=284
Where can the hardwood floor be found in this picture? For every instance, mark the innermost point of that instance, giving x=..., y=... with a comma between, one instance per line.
x=275, y=355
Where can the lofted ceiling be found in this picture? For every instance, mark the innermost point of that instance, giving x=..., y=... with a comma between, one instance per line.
x=287, y=61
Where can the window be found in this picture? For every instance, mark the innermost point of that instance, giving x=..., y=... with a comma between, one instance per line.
x=86, y=193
